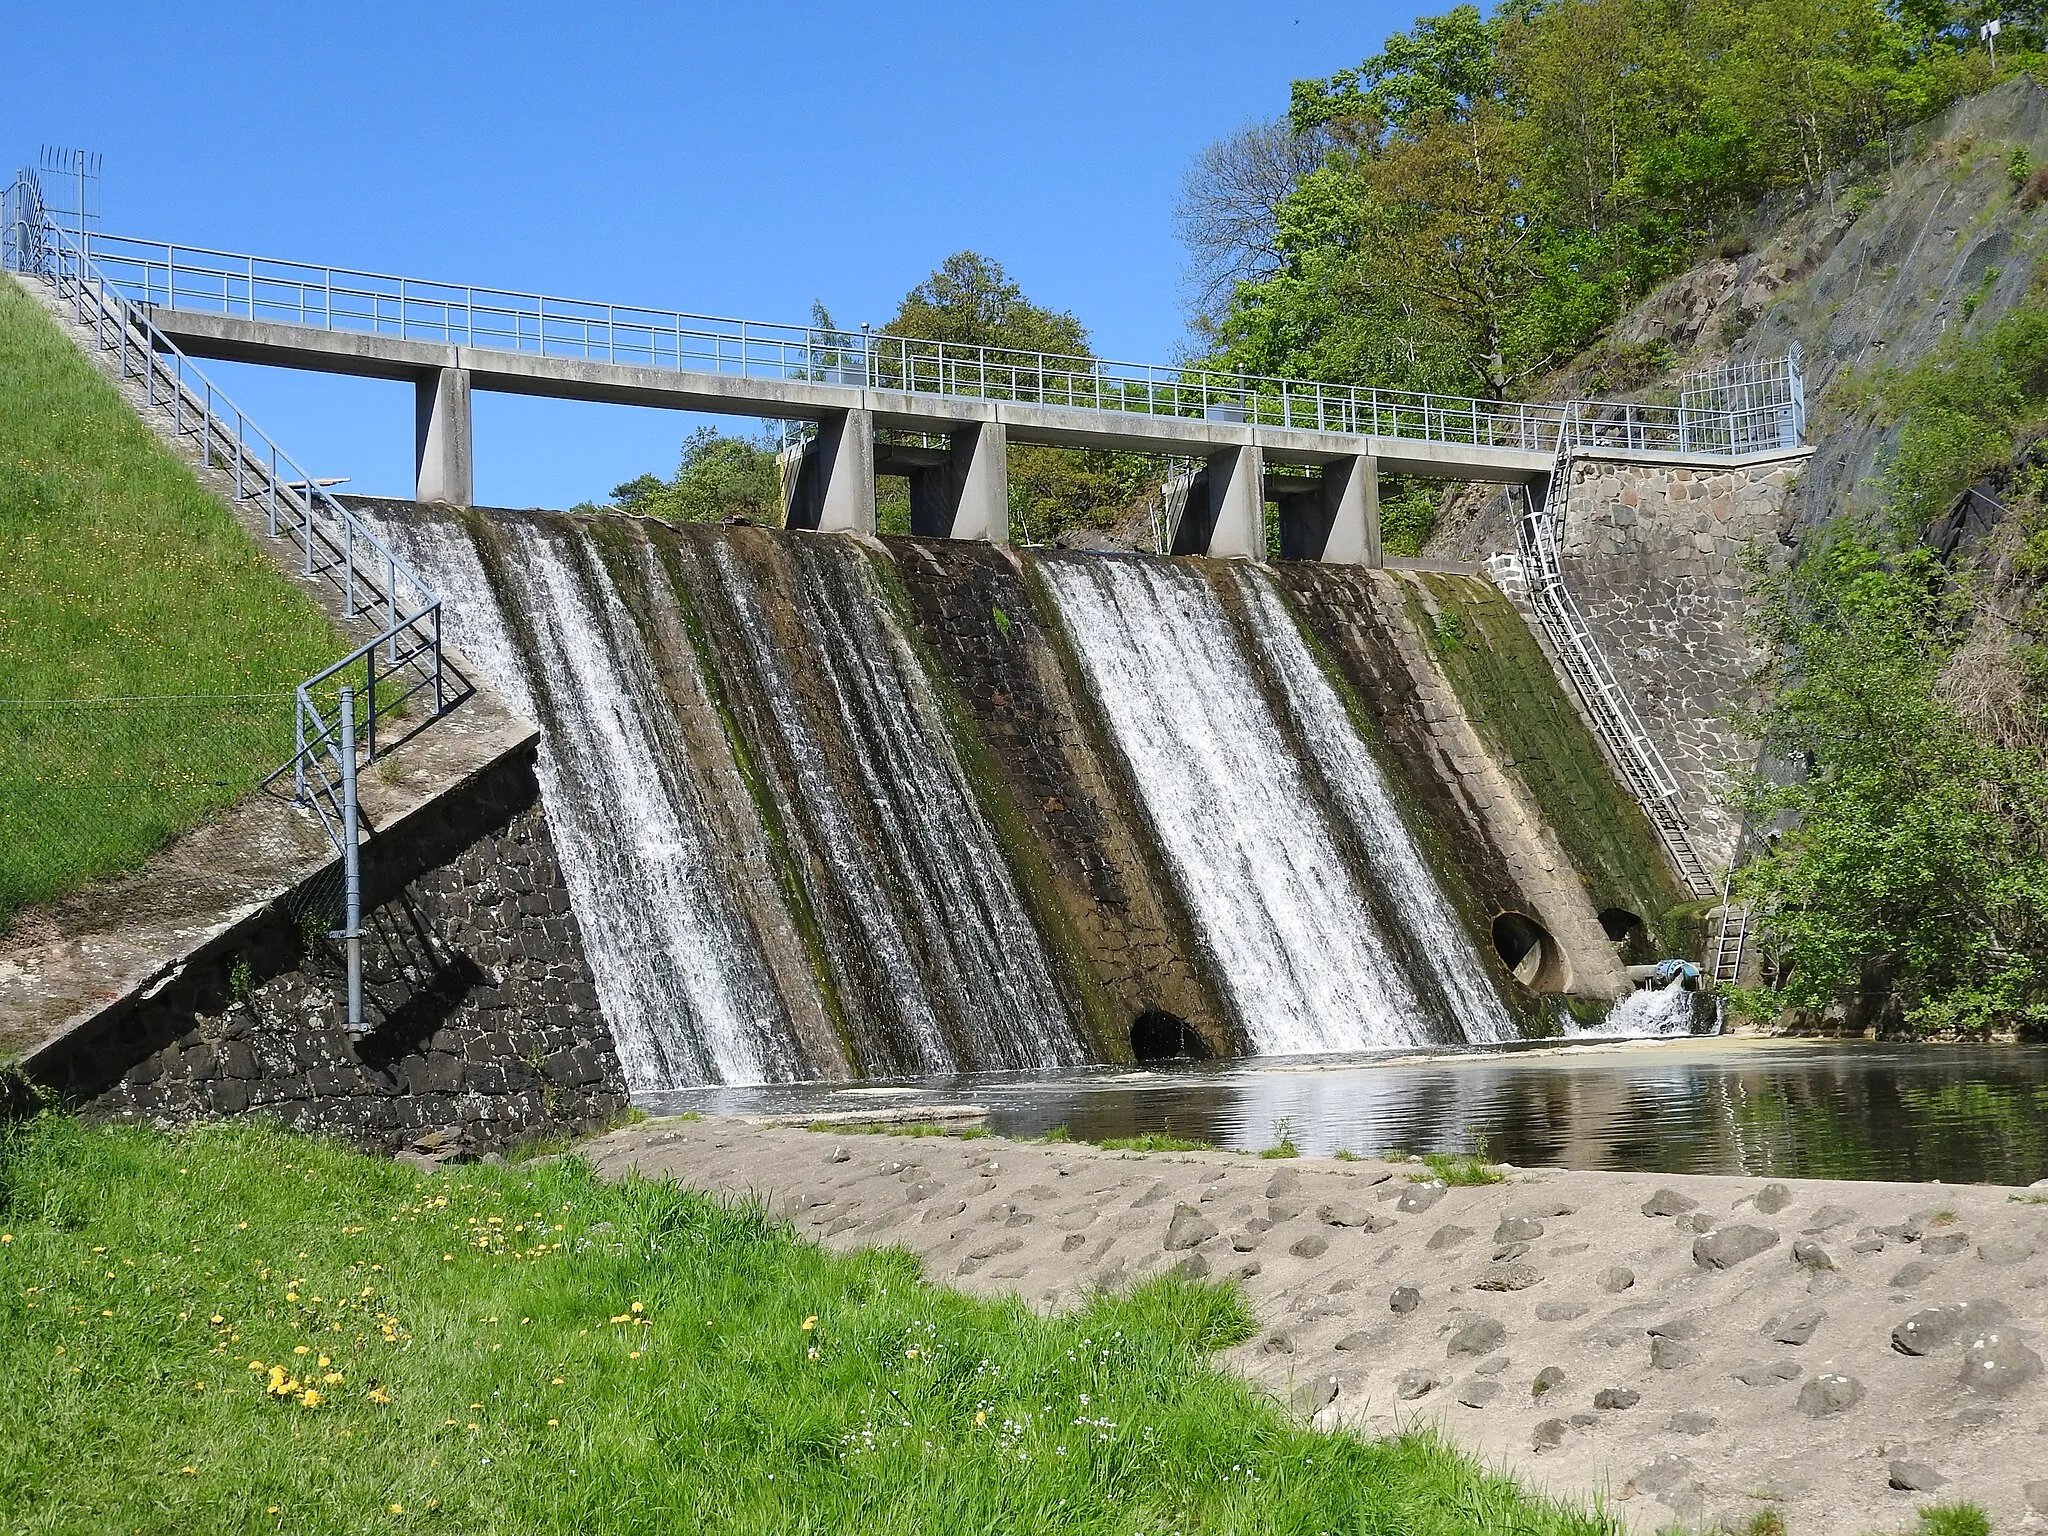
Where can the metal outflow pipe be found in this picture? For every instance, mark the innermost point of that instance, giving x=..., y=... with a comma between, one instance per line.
x=351, y=934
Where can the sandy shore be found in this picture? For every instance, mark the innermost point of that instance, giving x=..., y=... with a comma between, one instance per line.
x=1691, y=1349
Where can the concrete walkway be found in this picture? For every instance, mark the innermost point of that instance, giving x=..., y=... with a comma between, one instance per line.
x=1693, y=1350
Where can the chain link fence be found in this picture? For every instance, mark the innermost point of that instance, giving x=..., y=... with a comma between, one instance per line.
x=90, y=788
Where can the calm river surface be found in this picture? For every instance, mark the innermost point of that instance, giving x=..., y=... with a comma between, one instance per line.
x=1837, y=1109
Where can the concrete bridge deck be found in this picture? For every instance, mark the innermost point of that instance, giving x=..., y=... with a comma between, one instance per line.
x=450, y=340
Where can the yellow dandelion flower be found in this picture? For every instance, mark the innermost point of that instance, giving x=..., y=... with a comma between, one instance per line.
x=310, y=1397
x=187, y=1472
x=325, y=1361
x=332, y=1379
x=300, y=1349
x=398, y=1509
x=633, y=1354
x=556, y=1382
x=379, y=1396
x=638, y=1308
x=216, y=1319
x=808, y=1324
x=980, y=1417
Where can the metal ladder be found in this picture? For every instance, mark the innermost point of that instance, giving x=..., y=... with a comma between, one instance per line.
x=1731, y=942
x=1607, y=707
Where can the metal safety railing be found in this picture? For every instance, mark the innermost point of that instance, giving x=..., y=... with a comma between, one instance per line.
x=1607, y=704
x=346, y=713
x=185, y=277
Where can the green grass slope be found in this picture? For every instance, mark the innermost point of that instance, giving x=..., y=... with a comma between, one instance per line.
x=120, y=576
x=240, y=1330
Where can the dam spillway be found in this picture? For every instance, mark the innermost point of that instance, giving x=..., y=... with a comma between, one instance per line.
x=840, y=808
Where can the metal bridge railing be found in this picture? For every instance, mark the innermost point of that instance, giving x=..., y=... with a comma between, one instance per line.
x=157, y=274
x=343, y=712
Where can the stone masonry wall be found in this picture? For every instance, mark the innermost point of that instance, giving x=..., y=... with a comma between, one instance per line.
x=485, y=1024
x=1658, y=557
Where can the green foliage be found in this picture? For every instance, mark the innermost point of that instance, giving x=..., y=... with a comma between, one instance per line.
x=1283, y=1140
x=1155, y=1141
x=1459, y=1168
x=1909, y=871
x=1407, y=514
x=1952, y=1520
x=719, y=476
x=1962, y=410
x=122, y=578
x=1499, y=186
x=972, y=301
x=530, y=1349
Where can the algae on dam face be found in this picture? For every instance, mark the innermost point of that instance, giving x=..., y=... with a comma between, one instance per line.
x=1298, y=946
x=1063, y=813
x=1513, y=699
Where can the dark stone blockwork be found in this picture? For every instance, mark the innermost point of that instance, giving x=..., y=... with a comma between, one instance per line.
x=484, y=1017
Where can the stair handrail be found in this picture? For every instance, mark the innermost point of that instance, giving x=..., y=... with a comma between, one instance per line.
x=1610, y=711
x=406, y=652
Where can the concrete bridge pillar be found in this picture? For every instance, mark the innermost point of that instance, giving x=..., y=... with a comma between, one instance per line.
x=835, y=485
x=1226, y=512
x=968, y=496
x=1339, y=521
x=444, y=463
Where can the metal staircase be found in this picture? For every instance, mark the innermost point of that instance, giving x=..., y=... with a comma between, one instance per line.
x=394, y=684
x=1607, y=707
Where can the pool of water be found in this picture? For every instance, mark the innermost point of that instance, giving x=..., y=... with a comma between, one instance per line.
x=1834, y=1109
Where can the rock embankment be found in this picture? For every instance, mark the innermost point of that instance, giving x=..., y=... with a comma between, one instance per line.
x=1692, y=1349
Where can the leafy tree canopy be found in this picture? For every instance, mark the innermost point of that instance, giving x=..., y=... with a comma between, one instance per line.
x=971, y=301
x=720, y=476
x=1497, y=186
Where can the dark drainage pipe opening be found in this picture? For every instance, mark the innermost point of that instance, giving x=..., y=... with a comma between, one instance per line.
x=1620, y=924
x=1157, y=1035
x=1526, y=948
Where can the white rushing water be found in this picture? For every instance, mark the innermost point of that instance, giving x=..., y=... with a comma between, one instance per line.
x=1645, y=1013
x=1296, y=942
x=1366, y=800
x=934, y=897
x=678, y=974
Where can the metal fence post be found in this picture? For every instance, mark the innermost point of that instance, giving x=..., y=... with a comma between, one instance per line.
x=351, y=871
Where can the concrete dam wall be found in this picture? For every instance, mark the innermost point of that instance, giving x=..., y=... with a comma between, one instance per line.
x=832, y=807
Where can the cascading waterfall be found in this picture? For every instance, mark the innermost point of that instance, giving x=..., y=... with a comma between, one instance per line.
x=1362, y=795
x=680, y=979
x=964, y=976
x=1296, y=941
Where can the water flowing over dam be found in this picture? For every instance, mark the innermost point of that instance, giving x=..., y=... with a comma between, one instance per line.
x=832, y=808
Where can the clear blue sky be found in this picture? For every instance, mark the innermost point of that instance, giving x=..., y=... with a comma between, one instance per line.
x=736, y=159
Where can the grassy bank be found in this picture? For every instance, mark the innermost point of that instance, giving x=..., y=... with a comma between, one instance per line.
x=240, y=1330
x=120, y=577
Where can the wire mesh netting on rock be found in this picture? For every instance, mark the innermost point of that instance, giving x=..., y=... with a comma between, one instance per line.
x=90, y=788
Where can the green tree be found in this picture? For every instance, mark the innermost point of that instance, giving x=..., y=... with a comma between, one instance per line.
x=1907, y=873
x=970, y=301
x=1497, y=187
x=719, y=476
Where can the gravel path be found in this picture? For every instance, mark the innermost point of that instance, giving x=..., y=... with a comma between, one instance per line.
x=1692, y=1349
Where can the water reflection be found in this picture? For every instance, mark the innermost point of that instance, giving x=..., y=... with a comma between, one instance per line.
x=1963, y=1114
